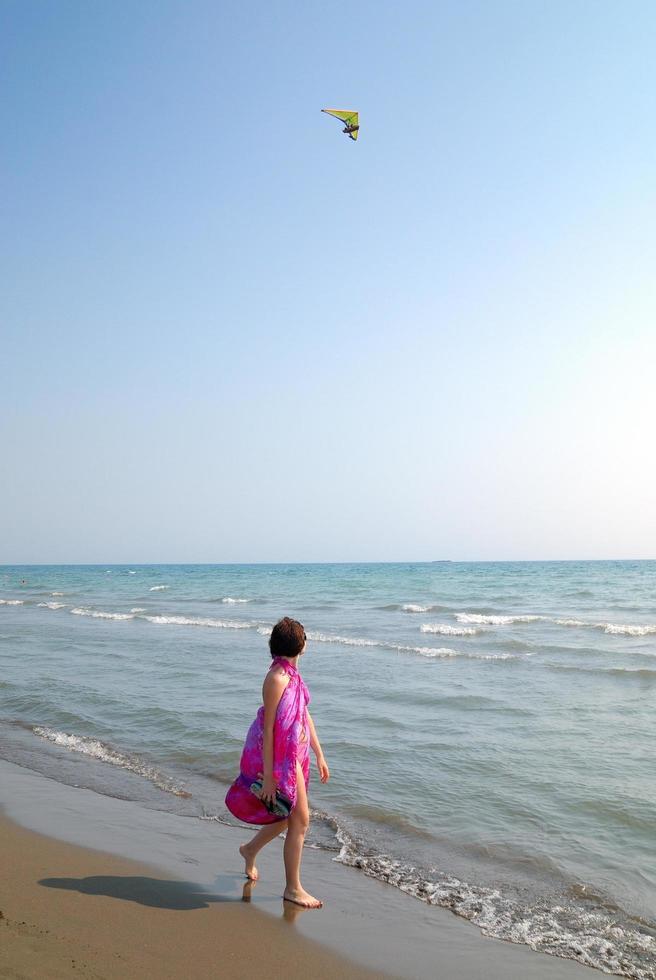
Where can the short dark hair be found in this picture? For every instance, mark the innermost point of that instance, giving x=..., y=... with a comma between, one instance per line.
x=287, y=638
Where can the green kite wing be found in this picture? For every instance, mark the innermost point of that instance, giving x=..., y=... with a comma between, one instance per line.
x=349, y=118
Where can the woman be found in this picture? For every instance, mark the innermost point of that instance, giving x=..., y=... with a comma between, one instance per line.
x=277, y=752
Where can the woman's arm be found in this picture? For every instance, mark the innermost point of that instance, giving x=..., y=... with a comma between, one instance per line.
x=324, y=771
x=275, y=683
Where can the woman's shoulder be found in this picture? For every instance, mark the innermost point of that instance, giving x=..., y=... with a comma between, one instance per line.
x=277, y=676
x=275, y=685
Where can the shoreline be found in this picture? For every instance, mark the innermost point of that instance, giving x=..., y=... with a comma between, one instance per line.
x=144, y=868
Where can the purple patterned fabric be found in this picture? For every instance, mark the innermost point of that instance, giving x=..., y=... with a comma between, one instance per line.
x=291, y=743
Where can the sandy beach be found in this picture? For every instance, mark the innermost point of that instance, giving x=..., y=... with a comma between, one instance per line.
x=119, y=890
x=67, y=911
x=65, y=908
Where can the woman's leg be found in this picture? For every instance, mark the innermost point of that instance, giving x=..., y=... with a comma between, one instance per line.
x=298, y=823
x=262, y=837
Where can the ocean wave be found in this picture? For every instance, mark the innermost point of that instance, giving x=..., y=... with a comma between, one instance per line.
x=613, y=629
x=581, y=931
x=52, y=605
x=349, y=641
x=411, y=607
x=233, y=602
x=444, y=629
x=616, y=630
x=159, y=588
x=57, y=593
x=199, y=621
x=138, y=609
x=98, y=614
x=357, y=641
x=431, y=652
x=478, y=619
x=12, y=602
x=96, y=749
x=645, y=673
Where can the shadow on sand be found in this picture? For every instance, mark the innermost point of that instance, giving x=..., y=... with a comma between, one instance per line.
x=156, y=892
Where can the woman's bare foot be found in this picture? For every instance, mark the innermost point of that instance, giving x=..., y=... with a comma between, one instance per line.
x=300, y=897
x=249, y=870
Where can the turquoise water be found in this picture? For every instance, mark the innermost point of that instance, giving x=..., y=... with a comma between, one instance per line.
x=490, y=727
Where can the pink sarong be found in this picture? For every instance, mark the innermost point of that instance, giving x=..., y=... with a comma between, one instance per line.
x=291, y=744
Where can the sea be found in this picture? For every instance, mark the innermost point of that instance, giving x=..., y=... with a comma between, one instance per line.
x=490, y=727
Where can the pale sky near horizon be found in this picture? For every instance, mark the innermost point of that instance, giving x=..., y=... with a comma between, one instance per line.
x=228, y=333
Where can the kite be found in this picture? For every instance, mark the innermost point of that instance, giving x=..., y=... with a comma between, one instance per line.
x=349, y=117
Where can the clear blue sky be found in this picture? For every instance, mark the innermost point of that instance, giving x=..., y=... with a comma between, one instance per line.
x=229, y=333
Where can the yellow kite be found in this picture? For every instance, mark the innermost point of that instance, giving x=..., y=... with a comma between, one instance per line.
x=349, y=117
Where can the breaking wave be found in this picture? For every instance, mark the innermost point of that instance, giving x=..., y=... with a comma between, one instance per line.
x=616, y=630
x=97, y=614
x=199, y=621
x=52, y=605
x=613, y=629
x=11, y=602
x=477, y=619
x=444, y=629
x=436, y=652
x=645, y=673
x=158, y=588
x=96, y=749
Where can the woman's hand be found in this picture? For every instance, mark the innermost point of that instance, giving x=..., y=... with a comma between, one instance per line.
x=269, y=787
x=324, y=771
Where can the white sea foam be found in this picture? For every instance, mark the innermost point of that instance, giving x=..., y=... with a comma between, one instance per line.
x=444, y=629
x=159, y=588
x=52, y=605
x=349, y=641
x=199, y=621
x=131, y=572
x=11, y=602
x=96, y=749
x=478, y=619
x=57, y=593
x=138, y=609
x=563, y=929
x=411, y=607
x=613, y=629
x=431, y=652
x=233, y=602
x=98, y=614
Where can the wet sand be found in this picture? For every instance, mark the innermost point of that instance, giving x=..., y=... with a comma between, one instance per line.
x=118, y=890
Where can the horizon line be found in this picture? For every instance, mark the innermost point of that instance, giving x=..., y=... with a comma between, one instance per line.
x=220, y=564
